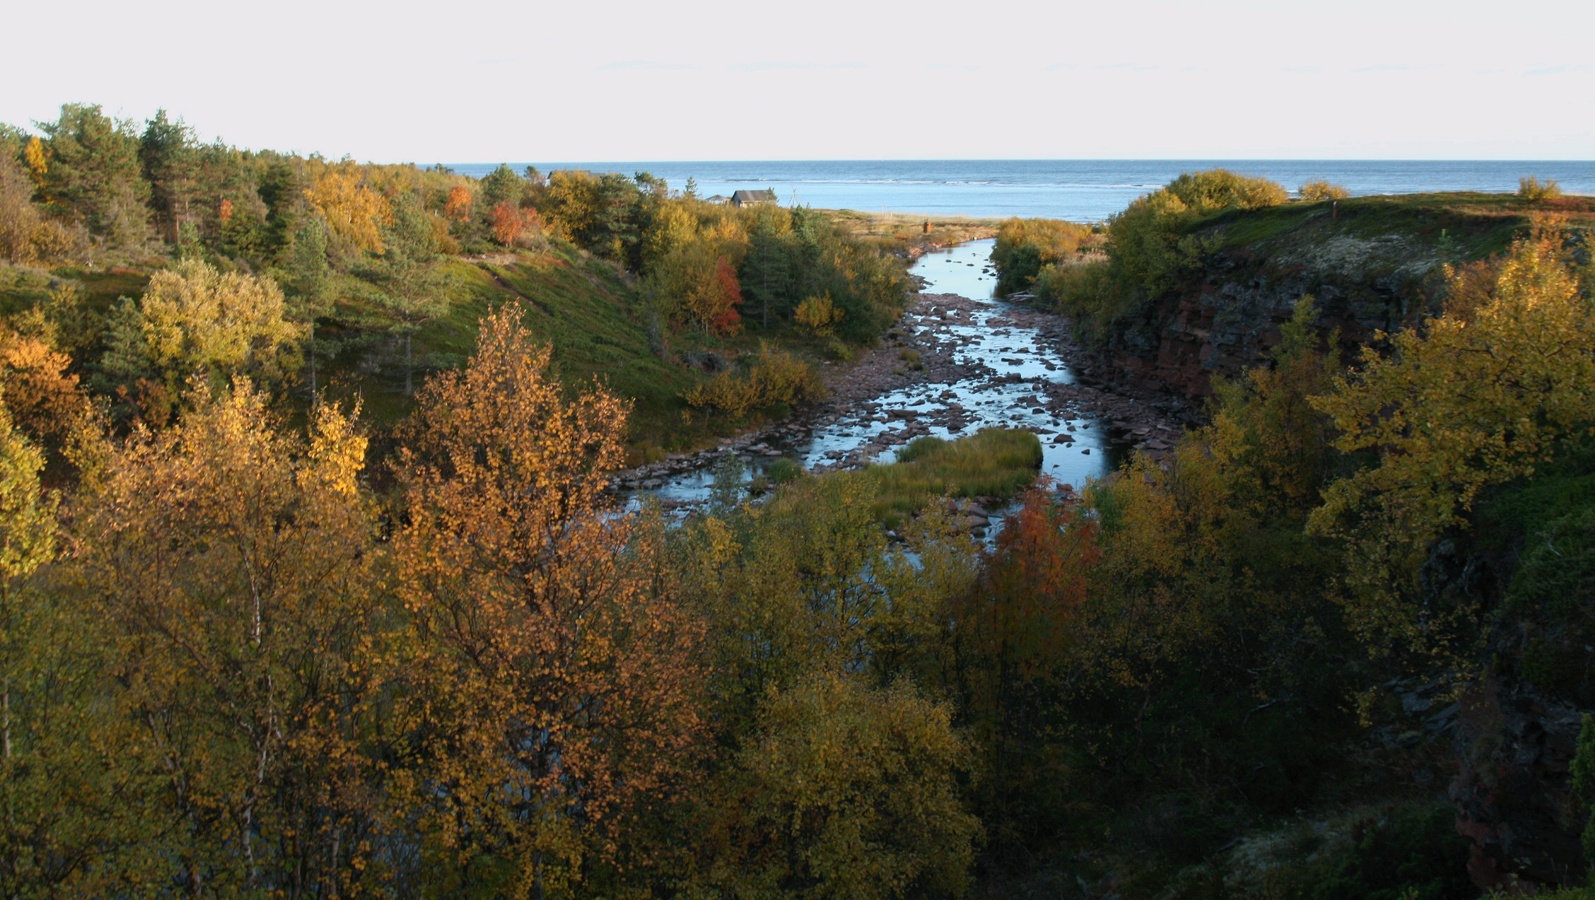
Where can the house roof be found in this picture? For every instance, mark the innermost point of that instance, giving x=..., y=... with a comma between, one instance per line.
x=761, y=196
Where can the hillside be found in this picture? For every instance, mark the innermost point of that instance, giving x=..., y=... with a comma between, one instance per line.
x=1372, y=264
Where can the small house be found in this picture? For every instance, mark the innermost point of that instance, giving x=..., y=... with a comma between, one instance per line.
x=752, y=198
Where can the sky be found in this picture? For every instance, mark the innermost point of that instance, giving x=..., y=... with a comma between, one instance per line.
x=603, y=80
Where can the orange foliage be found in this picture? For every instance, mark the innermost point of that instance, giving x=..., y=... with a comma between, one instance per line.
x=44, y=398
x=728, y=296
x=553, y=681
x=458, y=206
x=509, y=222
x=1038, y=579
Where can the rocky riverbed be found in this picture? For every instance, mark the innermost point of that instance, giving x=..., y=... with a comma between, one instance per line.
x=951, y=366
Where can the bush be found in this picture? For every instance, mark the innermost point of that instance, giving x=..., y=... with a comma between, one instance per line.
x=1026, y=246
x=783, y=470
x=1322, y=190
x=1534, y=190
x=1147, y=242
x=819, y=314
x=1085, y=293
x=777, y=378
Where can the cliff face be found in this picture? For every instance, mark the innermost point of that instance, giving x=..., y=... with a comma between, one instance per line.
x=1225, y=315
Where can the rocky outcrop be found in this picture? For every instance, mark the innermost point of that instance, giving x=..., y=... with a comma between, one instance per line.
x=1225, y=315
x=1513, y=796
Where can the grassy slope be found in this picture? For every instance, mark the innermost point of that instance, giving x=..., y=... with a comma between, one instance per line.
x=1475, y=225
x=586, y=308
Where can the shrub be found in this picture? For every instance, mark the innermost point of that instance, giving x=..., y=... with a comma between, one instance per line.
x=1085, y=293
x=783, y=470
x=777, y=378
x=1148, y=242
x=1534, y=190
x=819, y=314
x=1322, y=190
x=1026, y=246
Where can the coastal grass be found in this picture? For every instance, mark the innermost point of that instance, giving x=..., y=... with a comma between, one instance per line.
x=900, y=231
x=994, y=463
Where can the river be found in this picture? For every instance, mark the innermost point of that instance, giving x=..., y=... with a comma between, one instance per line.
x=958, y=361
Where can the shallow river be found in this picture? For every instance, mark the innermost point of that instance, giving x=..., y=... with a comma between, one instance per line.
x=985, y=368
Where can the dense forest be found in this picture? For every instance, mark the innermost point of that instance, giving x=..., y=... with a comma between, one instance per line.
x=312, y=583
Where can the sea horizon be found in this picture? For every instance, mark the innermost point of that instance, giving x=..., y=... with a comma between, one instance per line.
x=1083, y=190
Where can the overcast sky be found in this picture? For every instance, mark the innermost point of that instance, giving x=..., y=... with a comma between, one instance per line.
x=512, y=80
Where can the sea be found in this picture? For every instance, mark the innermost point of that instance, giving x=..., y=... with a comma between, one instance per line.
x=1073, y=190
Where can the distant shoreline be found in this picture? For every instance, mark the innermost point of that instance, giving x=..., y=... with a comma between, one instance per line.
x=1074, y=190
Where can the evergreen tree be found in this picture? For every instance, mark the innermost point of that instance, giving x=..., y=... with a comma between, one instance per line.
x=94, y=176
x=169, y=163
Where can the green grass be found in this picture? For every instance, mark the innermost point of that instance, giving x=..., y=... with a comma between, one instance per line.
x=587, y=309
x=1476, y=225
x=995, y=462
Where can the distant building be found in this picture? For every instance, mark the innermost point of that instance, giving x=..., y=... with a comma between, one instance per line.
x=752, y=198
x=718, y=199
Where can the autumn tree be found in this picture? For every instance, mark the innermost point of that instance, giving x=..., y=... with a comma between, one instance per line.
x=25, y=236
x=1499, y=384
x=848, y=791
x=355, y=214
x=693, y=287
x=27, y=541
x=233, y=568
x=508, y=221
x=554, y=699
x=43, y=396
x=193, y=318
x=458, y=206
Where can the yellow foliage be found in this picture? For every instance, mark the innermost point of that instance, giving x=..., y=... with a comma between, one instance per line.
x=232, y=570
x=547, y=679
x=852, y=790
x=354, y=212
x=819, y=314
x=777, y=377
x=195, y=318
x=1476, y=397
x=27, y=514
x=38, y=164
x=1322, y=190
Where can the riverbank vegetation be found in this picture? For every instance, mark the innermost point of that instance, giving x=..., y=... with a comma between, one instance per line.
x=384, y=271
x=256, y=645
x=1167, y=239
